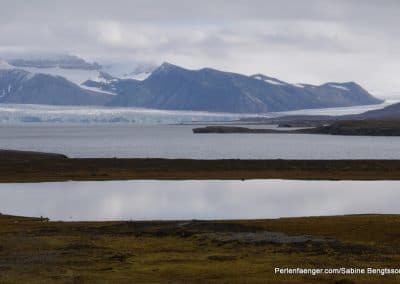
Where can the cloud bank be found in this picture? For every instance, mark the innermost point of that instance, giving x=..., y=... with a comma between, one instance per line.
x=298, y=41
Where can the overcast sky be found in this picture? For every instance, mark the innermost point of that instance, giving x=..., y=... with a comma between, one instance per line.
x=297, y=41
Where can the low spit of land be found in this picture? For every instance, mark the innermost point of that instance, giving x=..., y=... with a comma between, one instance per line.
x=345, y=127
x=35, y=250
x=19, y=166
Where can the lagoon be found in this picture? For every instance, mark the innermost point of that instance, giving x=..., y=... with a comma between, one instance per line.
x=195, y=199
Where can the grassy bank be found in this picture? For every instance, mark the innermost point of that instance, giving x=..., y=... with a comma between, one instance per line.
x=34, y=250
x=18, y=166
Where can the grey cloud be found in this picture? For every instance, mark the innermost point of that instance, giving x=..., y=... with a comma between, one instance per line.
x=293, y=40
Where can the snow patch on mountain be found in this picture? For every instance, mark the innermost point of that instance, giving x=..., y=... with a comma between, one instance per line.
x=273, y=82
x=77, y=76
x=137, y=76
x=268, y=80
x=97, y=90
x=339, y=87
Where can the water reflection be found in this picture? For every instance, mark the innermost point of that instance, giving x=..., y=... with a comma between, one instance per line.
x=211, y=199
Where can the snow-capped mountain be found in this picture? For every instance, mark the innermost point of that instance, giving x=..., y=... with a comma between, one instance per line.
x=73, y=81
x=20, y=86
x=72, y=68
x=175, y=88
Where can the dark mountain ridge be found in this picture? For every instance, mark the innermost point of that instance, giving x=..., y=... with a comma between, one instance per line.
x=22, y=87
x=175, y=88
x=171, y=87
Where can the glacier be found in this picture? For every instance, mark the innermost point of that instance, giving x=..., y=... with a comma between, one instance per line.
x=28, y=113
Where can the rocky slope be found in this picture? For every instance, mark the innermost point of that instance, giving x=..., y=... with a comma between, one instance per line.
x=175, y=88
x=72, y=81
x=19, y=86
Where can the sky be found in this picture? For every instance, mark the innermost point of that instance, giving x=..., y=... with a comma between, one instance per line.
x=299, y=41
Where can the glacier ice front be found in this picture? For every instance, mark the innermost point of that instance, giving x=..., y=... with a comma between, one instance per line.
x=24, y=113
x=28, y=113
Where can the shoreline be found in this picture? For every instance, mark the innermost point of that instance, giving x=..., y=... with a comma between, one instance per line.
x=385, y=128
x=21, y=166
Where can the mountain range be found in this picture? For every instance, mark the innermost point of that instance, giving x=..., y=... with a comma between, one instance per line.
x=73, y=81
x=22, y=87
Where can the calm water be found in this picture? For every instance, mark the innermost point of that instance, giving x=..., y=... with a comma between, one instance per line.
x=178, y=141
x=211, y=199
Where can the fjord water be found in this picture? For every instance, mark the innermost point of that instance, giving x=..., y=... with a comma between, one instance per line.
x=208, y=199
x=178, y=141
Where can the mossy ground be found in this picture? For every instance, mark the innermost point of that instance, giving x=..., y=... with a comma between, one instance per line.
x=37, y=251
